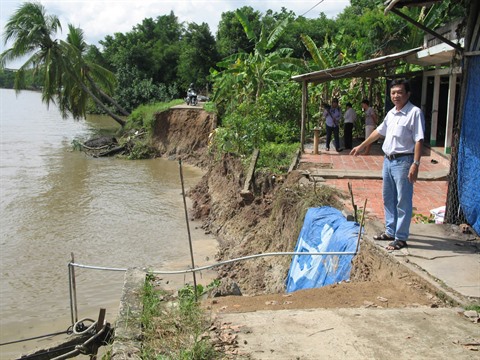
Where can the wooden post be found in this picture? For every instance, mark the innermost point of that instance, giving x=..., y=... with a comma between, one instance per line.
x=353, y=202
x=304, y=115
x=98, y=328
x=436, y=98
x=361, y=226
x=452, y=90
x=246, y=193
x=316, y=136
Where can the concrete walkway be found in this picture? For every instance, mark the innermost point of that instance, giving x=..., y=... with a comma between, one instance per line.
x=359, y=334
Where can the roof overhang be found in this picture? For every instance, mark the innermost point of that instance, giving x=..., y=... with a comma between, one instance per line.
x=434, y=55
x=372, y=67
x=390, y=4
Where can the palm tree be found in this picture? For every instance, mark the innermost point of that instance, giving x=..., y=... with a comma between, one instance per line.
x=66, y=74
x=88, y=79
x=32, y=30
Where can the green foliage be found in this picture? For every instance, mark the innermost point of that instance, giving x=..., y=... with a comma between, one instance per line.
x=422, y=219
x=151, y=302
x=197, y=56
x=474, y=307
x=174, y=330
x=277, y=157
x=134, y=89
x=142, y=149
x=246, y=76
x=210, y=107
x=7, y=79
x=231, y=37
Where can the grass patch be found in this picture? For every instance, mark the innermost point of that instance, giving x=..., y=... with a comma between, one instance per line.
x=143, y=117
x=210, y=107
x=475, y=307
x=175, y=329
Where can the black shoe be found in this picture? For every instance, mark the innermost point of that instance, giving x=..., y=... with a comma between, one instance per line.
x=339, y=150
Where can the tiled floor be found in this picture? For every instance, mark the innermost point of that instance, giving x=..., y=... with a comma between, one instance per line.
x=428, y=195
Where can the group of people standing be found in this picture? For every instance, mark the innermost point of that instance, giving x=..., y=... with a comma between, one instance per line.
x=333, y=115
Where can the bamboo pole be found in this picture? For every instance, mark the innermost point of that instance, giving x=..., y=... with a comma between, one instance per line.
x=188, y=229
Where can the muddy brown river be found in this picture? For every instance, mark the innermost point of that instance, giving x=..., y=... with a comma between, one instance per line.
x=108, y=212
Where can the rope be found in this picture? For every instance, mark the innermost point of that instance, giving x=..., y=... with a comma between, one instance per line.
x=79, y=327
x=172, y=272
x=68, y=331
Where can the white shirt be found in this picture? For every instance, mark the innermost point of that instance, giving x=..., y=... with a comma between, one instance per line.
x=332, y=116
x=402, y=129
x=350, y=116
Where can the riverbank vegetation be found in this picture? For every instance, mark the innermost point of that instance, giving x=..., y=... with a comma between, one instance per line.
x=175, y=328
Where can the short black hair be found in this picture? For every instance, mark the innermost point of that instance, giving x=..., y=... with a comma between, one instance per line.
x=365, y=101
x=335, y=100
x=404, y=82
x=349, y=104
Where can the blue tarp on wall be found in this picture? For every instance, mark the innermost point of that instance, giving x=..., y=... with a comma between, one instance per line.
x=469, y=148
x=324, y=229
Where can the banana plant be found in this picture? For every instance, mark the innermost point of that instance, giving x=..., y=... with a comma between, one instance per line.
x=247, y=75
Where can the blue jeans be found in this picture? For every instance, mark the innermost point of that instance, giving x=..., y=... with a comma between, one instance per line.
x=397, y=196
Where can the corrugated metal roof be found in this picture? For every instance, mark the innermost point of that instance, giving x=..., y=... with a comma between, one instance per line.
x=389, y=4
x=368, y=67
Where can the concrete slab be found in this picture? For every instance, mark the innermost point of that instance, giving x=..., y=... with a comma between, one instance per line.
x=374, y=174
x=443, y=253
x=416, y=333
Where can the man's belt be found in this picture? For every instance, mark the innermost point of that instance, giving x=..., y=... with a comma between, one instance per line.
x=396, y=156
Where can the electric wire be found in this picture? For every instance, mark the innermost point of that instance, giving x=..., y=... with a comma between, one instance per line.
x=313, y=7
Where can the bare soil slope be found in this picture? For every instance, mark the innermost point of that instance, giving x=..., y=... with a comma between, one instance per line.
x=183, y=134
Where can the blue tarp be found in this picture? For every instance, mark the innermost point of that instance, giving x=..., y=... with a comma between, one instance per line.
x=469, y=150
x=324, y=229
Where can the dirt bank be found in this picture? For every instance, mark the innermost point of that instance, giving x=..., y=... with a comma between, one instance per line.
x=183, y=134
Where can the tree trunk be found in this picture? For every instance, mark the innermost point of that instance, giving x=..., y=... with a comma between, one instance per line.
x=111, y=100
x=102, y=105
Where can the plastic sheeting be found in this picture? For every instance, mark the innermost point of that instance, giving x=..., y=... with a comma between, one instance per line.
x=469, y=150
x=324, y=229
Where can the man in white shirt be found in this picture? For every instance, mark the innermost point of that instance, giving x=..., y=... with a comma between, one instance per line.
x=332, y=115
x=403, y=130
x=349, y=119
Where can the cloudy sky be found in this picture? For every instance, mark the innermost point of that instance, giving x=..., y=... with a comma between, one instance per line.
x=98, y=18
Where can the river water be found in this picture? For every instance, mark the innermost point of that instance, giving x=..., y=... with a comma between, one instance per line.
x=106, y=211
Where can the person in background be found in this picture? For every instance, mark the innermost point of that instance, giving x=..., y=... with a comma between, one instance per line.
x=403, y=129
x=370, y=122
x=332, y=115
x=349, y=119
